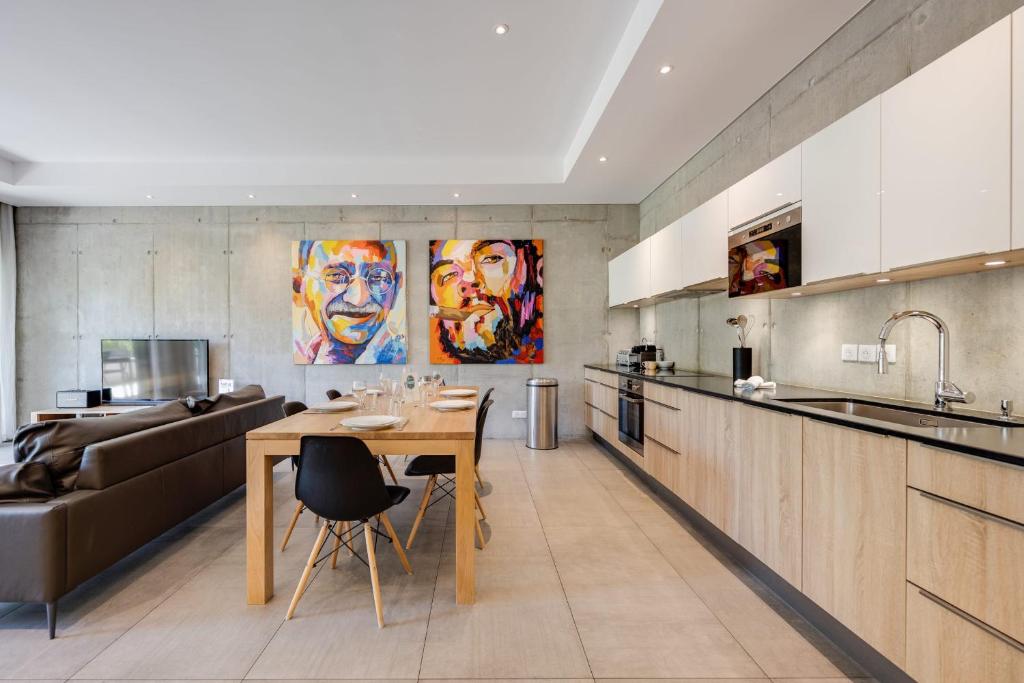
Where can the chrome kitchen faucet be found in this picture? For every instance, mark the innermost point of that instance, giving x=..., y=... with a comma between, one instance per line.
x=945, y=391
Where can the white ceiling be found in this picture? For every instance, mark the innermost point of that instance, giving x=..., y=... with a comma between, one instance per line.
x=403, y=102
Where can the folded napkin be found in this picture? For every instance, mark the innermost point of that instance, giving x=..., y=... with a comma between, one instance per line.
x=755, y=382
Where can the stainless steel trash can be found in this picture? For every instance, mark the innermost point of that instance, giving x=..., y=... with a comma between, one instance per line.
x=542, y=413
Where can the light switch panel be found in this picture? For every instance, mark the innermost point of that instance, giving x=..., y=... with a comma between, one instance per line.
x=867, y=353
x=849, y=352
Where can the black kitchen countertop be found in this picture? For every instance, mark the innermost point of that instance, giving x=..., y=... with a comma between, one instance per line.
x=1005, y=444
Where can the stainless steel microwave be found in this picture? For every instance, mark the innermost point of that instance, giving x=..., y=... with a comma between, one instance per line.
x=765, y=256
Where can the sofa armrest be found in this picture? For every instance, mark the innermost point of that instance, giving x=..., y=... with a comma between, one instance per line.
x=33, y=564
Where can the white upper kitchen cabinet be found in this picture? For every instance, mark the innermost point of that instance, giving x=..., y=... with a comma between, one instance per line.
x=774, y=185
x=946, y=155
x=1017, y=237
x=629, y=275
x=666, y=259
x=841, y=230
x=705, y=241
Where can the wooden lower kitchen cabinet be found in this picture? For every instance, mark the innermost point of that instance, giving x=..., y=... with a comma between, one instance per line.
x=944, y=644
x=969, y=558
x=769, y=493
x=707, y=466
x=662, y=463
x=855, y=531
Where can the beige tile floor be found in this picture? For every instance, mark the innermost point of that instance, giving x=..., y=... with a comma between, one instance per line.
x=586, y=576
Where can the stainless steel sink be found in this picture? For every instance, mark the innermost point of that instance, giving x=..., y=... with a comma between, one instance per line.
x=900, y=415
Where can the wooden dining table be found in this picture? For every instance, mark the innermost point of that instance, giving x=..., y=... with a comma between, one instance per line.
x=427, y=431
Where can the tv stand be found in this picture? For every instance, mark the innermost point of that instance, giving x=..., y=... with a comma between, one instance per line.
x=102, y=410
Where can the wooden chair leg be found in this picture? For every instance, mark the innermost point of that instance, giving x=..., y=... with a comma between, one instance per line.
x=291, y=525
x=431, y=482
x=479, y=533
x=480, y=506
x=387, y=464
x=320, y=540
x=338, y=531
x=346, y=530
x=374, y=581
x=395, y=542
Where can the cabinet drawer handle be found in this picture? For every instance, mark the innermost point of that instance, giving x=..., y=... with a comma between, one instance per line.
x=667, y=448
x=660, y=404
x=974, y=511
x=1012, y=642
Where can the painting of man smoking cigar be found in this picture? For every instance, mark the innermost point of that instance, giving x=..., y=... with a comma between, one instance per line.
x=486, y=301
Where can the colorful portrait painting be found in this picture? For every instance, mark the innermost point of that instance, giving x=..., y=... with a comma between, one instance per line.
x=348, y=302
x=486, y=301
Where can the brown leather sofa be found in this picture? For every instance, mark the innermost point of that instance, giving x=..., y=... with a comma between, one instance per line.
x=129, y=489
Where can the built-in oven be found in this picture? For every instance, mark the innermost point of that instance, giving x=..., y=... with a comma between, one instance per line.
x=765, y=256
x=631, y=413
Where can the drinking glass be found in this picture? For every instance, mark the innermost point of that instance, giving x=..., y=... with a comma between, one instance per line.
x=359, y=389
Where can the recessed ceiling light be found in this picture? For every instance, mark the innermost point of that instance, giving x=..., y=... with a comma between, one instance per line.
x=665, y=69
x=149, y=196
x=778, y=194
x=602, y=159
x=636, y=305
x=797, y=294
x=501, y=29
x=252, y=196
x=883, y=280
x=355, y=196
x=456, y=195
x=991, y=264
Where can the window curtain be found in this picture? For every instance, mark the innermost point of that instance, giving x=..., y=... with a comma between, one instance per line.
x=8, y=290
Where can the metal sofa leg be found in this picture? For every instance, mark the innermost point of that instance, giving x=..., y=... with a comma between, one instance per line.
x=51, y=617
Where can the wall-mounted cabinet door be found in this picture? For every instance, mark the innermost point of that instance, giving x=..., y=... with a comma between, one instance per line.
x=855, y=531
x=946, y=155
x=46, y=331
x=190, y=288
x=774, y=185
x=705, y=241
x=666, y=259
x=115, y=299
x=841, y=231
x=1017, y=238
x=629, y=275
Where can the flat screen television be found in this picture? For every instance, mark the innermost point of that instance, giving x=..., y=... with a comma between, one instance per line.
x=147, y=370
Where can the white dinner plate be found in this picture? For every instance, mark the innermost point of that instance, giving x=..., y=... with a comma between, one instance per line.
x=453, y=404
x=335, y=406
x=370, y=422
x=458, y=392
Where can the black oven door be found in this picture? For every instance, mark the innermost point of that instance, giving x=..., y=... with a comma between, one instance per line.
x=767, y=257
x=631, y=421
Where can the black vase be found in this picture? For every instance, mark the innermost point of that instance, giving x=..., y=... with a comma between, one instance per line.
x=742, y=363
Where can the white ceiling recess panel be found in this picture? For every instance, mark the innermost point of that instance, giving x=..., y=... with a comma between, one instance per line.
x=314, y=101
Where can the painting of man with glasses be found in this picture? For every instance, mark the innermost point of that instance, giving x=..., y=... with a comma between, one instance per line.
x=348, y=302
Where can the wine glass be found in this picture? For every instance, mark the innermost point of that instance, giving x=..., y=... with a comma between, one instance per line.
x=359, y=389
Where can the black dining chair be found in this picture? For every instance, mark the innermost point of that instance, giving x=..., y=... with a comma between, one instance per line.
x=333, y=394
x=435, y=466
x=476, y=468
x=340, y=480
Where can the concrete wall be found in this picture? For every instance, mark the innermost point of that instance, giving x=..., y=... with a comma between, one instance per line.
x=798, y=341
x=223, y=274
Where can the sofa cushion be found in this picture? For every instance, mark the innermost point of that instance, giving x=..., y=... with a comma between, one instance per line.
x=59, y=444
x=110, y=462
x=24, y=482
x=233, y=399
